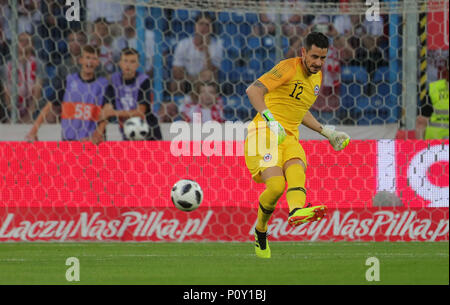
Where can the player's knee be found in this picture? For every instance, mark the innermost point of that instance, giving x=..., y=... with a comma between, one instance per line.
x=276, y=186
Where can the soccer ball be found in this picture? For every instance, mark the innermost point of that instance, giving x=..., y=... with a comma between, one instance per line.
x=186, y=195
x=136, y=129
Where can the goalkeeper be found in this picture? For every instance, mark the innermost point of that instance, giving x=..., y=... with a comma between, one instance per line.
x=282, y=98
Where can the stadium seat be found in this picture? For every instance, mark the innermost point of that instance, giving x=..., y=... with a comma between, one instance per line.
x=253, y=42
x=352, y=74
x=231, y=28
x=234, y=76
x=238, y=41
x=237, y=18
x=245, y=29
x=224, y=17
x=251, y=18
x=189, y=26
x=381, y=75
x=362, y=102
x=347, y=101
x=226, y=66
x=240, y=88
x=182, y=14
x=355, y=90
x=233, y=52
x=176, y=26
x=383, y=89
x=226, y=40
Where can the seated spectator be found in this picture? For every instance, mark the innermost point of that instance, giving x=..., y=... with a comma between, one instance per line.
x=28, y=15
x=433, y=119
x=196, y=54
x=168, y=112
x=132, y=95
x=29, y=81
x=81, y=99
x=204, y=99
x=129, y=38
x=101, y=38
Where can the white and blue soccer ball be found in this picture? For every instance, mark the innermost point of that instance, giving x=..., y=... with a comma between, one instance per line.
x=186, y=195
x=136, y=129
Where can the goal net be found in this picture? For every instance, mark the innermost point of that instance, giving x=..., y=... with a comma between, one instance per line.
x=388, y=184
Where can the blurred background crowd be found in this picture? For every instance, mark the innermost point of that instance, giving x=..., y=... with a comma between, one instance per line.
x=209, y=58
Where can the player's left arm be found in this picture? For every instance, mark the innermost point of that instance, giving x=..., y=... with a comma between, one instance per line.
x=338, y=139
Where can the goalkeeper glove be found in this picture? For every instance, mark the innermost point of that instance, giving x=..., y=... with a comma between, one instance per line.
x=274, y=126
x=338, y=139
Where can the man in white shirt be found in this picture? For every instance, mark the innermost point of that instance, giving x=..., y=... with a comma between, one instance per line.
x=195, y=54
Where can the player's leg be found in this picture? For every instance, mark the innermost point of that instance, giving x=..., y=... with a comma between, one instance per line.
x=275, y=185
x=294, y=170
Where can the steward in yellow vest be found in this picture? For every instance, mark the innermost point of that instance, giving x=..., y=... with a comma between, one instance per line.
x=438, y=125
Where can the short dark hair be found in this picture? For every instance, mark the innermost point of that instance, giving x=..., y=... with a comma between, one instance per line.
x=91, y=50
x=202, y=15
x=129, y=51
x=318, y=39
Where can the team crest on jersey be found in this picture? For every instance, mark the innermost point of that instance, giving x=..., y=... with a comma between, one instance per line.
x=316, y=90
x=267, y=157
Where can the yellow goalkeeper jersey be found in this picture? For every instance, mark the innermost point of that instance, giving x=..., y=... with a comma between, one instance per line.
x=291, y=92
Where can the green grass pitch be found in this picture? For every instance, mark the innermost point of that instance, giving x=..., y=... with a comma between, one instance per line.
x=293, y=263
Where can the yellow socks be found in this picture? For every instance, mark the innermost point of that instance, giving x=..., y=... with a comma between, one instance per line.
x=296, y=192
x=268, y=200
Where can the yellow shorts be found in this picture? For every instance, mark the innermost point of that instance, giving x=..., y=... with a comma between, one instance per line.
x=257, y=160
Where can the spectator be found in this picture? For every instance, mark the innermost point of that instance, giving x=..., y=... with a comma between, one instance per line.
x=4, y=47
x=130, y=39
x=28, y=16
x=196, y=54
x=168, y=112
x=370, y=55
x=51, y=32
x=81, y=99
x=132, y=94
x=291, y=24
x=111, y=11
x=433, y=119
x=321, y=24
x=101, y=38
x=75, y=41
x=29, y=80
x=204, y=99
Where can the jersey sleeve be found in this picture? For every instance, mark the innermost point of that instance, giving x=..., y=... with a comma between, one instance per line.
x=279, y=74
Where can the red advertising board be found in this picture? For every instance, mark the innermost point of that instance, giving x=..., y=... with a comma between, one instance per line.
x=218, y=224
x=71, y=182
